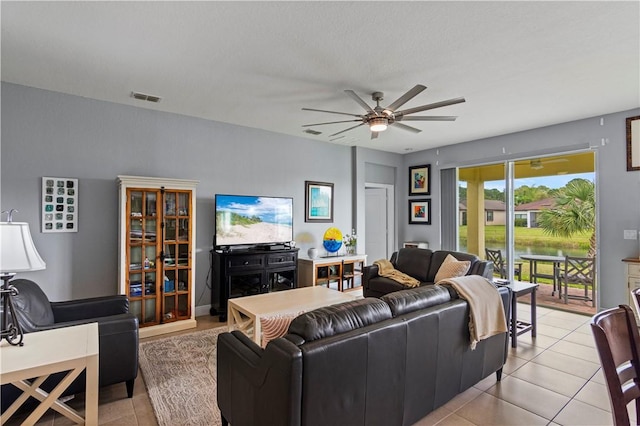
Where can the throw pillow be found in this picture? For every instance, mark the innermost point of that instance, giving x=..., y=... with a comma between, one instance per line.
x=451, y=268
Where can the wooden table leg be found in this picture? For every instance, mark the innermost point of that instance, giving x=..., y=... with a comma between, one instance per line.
x=91, y=393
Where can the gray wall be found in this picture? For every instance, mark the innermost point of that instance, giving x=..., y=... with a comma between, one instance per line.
x=617, y=191
x=51, y=134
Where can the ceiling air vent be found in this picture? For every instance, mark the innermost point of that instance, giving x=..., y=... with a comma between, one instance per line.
x=312, y=132
x=145, y=97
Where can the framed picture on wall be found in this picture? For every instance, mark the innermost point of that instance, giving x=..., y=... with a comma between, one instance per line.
x=633, y=143
x=420, y=212
x=59, y=204
x=420, y=180
x=318, y=202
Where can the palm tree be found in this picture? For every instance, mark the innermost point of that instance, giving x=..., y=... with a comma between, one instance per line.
x=574, y=212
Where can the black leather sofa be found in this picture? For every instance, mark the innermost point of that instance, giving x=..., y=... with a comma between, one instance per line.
x=387, y=361
x=117, y=333
x=421, y=264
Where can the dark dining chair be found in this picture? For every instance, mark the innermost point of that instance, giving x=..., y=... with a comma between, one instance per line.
x=581, y=271
x=616, y=334
x=499, y=264
x=635, y=299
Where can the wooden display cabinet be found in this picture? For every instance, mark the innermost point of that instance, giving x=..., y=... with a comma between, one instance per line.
x=156, y=255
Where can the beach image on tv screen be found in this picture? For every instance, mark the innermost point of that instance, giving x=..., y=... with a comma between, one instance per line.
x=253, y=220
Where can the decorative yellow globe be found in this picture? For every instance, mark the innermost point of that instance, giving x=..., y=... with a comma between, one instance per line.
x=332, y=240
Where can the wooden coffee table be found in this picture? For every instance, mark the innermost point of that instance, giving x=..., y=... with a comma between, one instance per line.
x=244, y=313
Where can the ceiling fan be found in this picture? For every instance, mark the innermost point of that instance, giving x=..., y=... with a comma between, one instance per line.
x=379, y=118
x=538, y=164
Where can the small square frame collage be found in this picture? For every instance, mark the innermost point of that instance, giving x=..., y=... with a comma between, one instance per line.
x=59, y=204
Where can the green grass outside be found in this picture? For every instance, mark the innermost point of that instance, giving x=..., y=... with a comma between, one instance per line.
x=532, y=237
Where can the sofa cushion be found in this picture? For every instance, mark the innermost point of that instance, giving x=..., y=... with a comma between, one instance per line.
x=405, y=301
x=438, y=257
x=451, y=268
x=414, y=262
x=340, y=318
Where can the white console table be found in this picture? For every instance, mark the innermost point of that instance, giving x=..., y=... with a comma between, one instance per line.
x=341, y=272
x=71, y=349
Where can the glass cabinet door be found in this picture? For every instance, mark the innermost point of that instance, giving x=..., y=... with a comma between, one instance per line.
x=142, y=255
x=177, y=252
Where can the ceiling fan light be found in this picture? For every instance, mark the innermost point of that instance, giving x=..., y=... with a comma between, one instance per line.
x=378, y=124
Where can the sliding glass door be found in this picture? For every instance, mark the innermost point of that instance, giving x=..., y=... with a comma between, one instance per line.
x=509, y=206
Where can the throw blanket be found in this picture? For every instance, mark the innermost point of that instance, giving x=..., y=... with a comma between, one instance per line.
x=386, y=269
x=487, y=317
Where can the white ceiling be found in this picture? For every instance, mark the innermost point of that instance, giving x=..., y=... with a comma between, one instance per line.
x=520, y=65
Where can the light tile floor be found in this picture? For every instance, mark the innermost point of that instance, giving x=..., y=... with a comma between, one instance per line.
x=554, y=379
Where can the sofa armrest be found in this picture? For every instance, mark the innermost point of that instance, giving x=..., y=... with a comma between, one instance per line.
x=80, y=309
x=483, y=268
x=271, y=378
x=368, y=273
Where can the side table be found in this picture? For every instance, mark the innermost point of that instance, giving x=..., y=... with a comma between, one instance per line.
x=71, y=349
x=520, y=288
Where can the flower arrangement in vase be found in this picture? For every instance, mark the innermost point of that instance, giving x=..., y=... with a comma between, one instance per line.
x=350, y=241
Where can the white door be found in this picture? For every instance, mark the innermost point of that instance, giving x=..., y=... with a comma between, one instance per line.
x=378, y=223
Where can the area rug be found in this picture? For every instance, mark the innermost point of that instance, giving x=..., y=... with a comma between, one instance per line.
x=180, y=374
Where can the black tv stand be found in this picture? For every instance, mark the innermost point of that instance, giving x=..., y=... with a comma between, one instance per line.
x=247, y=272
x=271, y=247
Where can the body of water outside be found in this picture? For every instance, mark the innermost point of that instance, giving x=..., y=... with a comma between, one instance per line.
x=540, y=250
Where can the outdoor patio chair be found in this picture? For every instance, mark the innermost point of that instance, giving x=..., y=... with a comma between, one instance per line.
x=581, y=271
x=616, y=335
x=499, y=264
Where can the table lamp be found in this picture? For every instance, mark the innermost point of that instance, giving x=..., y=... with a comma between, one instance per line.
x=17, y=254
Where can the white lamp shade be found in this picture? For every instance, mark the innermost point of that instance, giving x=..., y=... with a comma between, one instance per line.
x=18, y=254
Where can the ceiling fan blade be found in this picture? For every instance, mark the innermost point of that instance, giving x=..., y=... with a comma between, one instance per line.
x=329, y=122
x=428, y=118
x=359, y=100
x=405, y=127
x=431, y=106
x=406, y=97
x=331, y=112
x=346, y=130
x=374, y=135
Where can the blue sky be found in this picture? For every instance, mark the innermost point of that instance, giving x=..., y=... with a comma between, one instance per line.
x=268, y=209
x=549, y=181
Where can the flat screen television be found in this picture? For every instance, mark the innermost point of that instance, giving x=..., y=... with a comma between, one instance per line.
x=243, y=220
